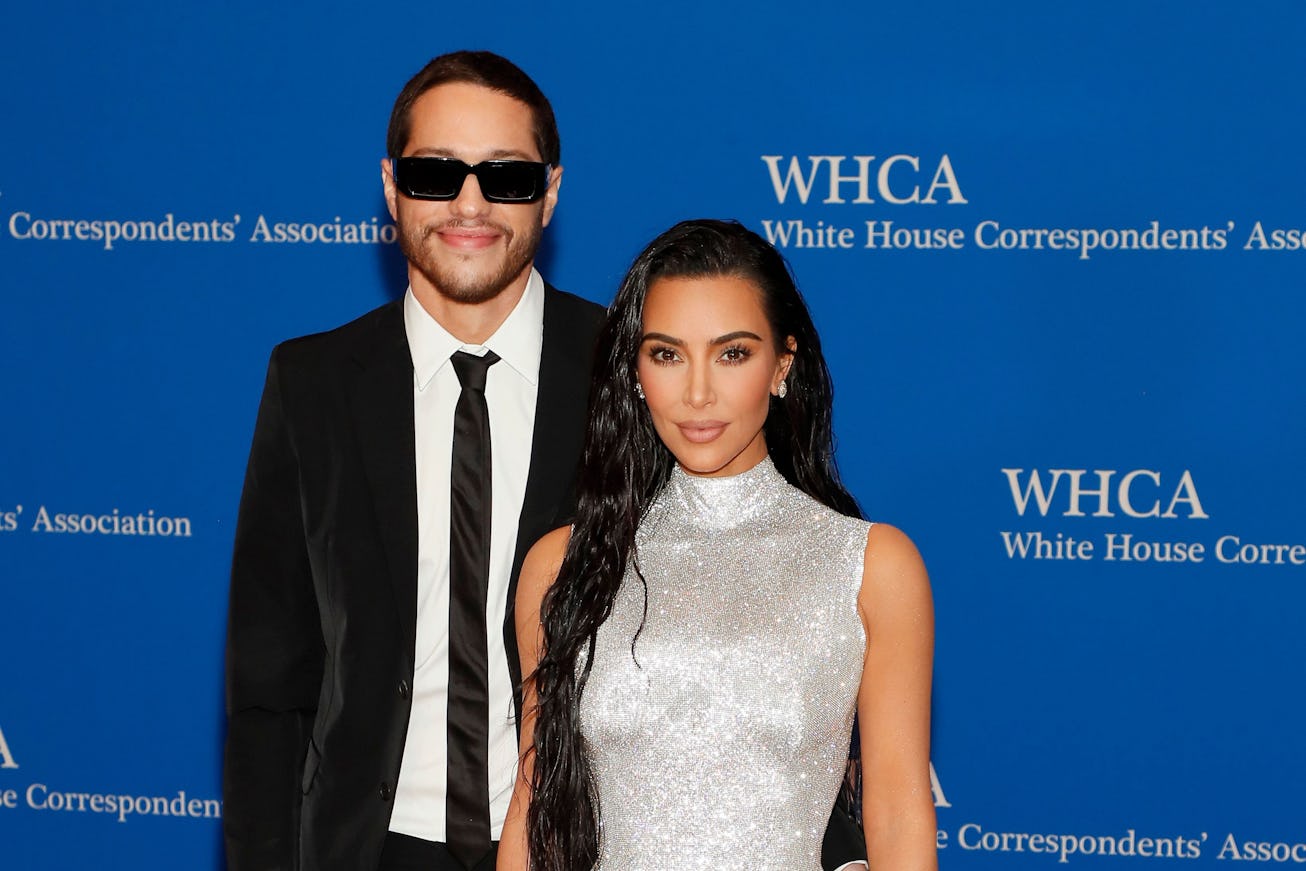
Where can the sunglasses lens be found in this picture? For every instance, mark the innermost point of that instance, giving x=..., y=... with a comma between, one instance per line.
x=430, y=178
x=501, y=181
x=512, y=181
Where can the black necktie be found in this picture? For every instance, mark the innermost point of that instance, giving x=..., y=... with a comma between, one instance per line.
x=467, y=812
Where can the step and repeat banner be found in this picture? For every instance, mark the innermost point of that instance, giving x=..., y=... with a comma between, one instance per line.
x=1055, y=252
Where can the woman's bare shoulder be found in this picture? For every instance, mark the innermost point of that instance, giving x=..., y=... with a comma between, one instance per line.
x=893, y=569
x=540, y=568
x=888, y=547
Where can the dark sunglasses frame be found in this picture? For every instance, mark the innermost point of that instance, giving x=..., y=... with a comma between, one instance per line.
x=442, y=178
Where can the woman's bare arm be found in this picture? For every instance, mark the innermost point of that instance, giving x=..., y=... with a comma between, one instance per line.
x=893, y=705
x=539, y=571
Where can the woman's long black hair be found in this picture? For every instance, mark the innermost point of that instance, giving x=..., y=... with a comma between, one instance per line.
x=624, y=467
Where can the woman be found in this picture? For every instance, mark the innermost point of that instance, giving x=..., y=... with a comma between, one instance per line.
x=702, y=636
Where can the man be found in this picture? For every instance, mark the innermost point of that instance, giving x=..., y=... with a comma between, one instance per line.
x=401, y=467
x=348, y=683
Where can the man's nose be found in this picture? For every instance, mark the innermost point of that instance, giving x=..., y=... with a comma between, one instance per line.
x=469, y=203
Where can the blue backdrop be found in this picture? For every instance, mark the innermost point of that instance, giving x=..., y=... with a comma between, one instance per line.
x=1054, y=250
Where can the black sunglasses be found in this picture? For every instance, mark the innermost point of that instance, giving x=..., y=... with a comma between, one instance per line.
x=501, y=181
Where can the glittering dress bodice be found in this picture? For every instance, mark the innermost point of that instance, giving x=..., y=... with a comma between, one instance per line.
x=721, y=740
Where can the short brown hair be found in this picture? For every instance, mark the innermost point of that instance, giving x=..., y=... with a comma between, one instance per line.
x=488, y=70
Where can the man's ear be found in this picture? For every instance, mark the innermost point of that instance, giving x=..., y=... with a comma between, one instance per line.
x=388, y=185
x=551, y=195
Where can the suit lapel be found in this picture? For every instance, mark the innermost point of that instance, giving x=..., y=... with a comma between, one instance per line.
x=559, y=426
x=382, y=408
x=556, y=443
x=382, y=400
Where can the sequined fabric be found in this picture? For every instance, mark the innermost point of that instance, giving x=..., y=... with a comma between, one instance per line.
x=721, y=740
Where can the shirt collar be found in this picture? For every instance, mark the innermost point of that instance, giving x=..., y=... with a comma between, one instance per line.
x=518, y=340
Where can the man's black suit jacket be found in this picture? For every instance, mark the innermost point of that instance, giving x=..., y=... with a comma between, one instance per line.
x=324, y=582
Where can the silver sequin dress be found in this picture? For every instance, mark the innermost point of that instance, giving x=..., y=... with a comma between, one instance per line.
x=722, y=741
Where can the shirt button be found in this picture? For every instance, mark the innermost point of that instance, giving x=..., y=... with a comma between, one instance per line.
x=403, y=689
x=385, y=792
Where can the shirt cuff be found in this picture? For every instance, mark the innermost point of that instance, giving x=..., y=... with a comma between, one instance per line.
x=852, y=866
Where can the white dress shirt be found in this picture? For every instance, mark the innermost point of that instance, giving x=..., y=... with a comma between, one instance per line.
x=510, y=394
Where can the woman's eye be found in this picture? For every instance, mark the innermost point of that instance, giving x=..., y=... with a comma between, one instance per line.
x=735, y=355
x=663, y=355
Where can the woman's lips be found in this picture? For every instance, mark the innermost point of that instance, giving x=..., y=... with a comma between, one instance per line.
x=700, y=431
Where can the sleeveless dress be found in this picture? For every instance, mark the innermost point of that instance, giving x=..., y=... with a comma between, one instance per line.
x=721, y=740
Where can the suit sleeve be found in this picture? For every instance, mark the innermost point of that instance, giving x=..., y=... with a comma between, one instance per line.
x=274, y=651
x=843, y=841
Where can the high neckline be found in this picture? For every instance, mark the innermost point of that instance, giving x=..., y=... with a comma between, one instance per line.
x=727, y=501
x=758, y=471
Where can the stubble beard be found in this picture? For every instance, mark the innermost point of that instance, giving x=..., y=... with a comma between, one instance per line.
x=449, y=276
